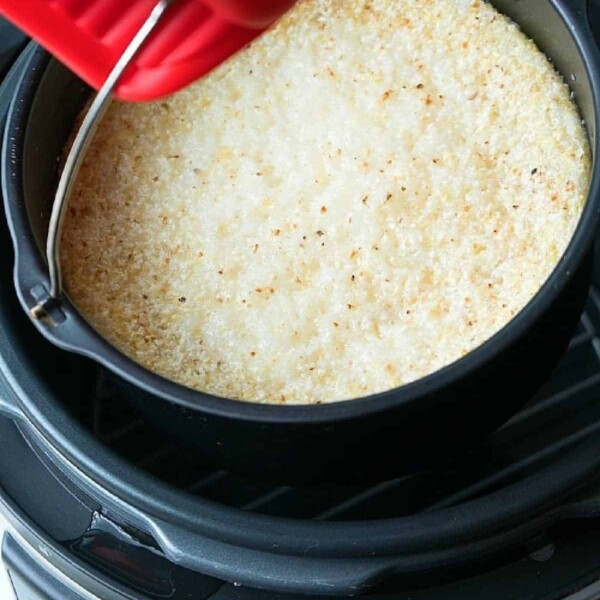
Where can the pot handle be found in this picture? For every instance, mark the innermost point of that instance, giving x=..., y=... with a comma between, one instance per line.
x=10, y=410
x=75, y=157
x=9, y=406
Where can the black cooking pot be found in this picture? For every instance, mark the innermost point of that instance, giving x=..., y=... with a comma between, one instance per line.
x=366, y=438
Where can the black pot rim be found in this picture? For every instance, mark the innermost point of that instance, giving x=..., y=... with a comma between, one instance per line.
x=28, y=258
x=79, y=455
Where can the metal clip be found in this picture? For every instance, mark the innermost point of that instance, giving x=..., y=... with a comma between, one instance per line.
x=46, y=307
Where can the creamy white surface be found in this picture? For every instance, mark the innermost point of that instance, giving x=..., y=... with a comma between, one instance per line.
x=363, y=196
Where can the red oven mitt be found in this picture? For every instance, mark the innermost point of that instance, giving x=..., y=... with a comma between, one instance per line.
x=193, y=37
